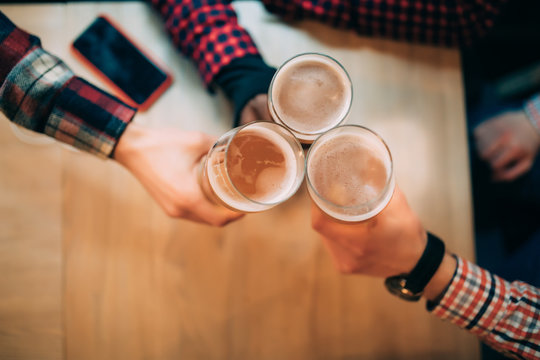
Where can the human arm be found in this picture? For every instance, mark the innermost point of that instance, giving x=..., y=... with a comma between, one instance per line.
x=509, y=142
x=503, y=315
x=448, y=23
x=166, y=162
x=224, y=53
x=38, y=91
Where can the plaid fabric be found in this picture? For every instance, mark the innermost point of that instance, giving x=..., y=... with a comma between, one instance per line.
x=448, y=23
x=88, y=118
x=27, y=94
x=14, y=43
x=532, y=109
x=41, y=93
x=208, y=32
x=504, y=315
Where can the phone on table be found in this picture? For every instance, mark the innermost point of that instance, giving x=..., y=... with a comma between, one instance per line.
x=136, y=78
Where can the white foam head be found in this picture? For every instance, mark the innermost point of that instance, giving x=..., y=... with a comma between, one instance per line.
x=310, y=94
x=349, y=172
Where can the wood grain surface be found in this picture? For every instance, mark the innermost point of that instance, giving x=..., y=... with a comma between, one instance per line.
x=93, y=269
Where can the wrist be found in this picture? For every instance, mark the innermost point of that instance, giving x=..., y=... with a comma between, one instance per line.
x=440, y=281
x=411, y=286
x=126, y=143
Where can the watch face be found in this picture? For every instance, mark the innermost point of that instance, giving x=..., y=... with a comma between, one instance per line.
x=396, y=285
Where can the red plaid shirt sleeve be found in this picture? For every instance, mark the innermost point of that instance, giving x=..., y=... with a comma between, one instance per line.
x=448, y=23
x=504, y=315
x=206, y=31
x=38, y=91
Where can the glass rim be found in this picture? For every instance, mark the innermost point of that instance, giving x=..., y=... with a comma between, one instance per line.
x=315, y=54
x=235, y=132
x=389, y=182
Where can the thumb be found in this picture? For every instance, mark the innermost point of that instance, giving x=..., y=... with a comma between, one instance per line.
x=201, y=142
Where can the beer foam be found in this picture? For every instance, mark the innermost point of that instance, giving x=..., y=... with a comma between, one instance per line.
x=349, y=171
x=270, y=185
x=311, y=94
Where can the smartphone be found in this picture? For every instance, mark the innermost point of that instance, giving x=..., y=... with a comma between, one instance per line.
x=136, y=78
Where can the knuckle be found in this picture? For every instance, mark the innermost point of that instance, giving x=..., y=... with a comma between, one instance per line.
x=175, y=211
x=347, y=268
x=220, y=222
x=198, y=137
x=317, y=225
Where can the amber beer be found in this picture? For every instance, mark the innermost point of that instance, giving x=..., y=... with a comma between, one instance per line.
x=349, y=172
x=254, y=167
x=310, y=94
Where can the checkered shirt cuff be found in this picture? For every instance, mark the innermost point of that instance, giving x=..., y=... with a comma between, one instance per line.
x=207, y=31
x=42, y=94
x=88, y=118
x=29, y=90
x=504, y=315
x=14, y=44
x=532, y=109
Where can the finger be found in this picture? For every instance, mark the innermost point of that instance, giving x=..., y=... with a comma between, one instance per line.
x=342, y=258
x=206, y=141
x=515, y=171
x=215, y=215
x=206, y=208
x=317, y=218
x=488, y=149
x=218, y=221
x=505, y=158
x=261, y=107
x=248, y=115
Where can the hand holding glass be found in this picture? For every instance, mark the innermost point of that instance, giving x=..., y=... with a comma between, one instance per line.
x=253, y=167
x=350, y=173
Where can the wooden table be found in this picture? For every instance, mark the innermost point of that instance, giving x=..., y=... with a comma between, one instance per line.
x=93, y=269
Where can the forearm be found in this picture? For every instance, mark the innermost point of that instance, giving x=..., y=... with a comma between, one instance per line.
x=425, y=21
x=42, y=94
x=503, y=315
x=207, y=32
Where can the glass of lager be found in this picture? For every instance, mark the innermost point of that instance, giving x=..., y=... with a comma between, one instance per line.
x=349, y=173
x=253, y=167
x=310, y=94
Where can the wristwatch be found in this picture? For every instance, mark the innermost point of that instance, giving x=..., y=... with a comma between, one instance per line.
x=411, y=286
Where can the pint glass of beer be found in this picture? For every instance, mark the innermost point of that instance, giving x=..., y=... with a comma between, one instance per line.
x=350, y=173
x=310, y=94
x=253, y=167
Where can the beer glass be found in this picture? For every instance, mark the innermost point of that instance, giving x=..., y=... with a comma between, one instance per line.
x=310, y=94
x=349, y=173
x=253, y=167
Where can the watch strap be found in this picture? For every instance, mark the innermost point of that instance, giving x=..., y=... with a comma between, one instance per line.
x=428, y=264
x=411, y=286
